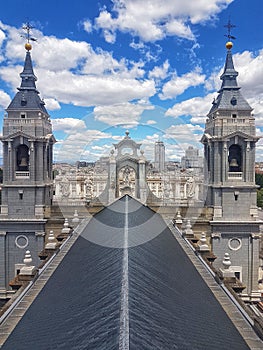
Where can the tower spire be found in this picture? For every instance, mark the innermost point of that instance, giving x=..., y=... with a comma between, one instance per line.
x=229, y=96
x=27, y=96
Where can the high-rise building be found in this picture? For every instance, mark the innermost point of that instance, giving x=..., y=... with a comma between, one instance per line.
x=229, y=144
x=159, y=155
x=27, y=176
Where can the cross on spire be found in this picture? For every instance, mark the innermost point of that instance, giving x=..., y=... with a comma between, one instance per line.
x=27, y=28
x=229, y=26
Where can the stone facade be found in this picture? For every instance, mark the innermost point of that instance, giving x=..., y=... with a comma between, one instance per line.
x=27, y=177
x=229, y=146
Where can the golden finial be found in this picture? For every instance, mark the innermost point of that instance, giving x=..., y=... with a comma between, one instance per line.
x=28, y=46
x=229, y=45
x=27, y=28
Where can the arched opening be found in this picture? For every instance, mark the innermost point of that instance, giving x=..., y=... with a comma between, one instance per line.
x=235, y=158
x=22, y=158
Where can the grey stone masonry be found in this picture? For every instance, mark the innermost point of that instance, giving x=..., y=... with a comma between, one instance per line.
x=27, y=176
x=229, y=148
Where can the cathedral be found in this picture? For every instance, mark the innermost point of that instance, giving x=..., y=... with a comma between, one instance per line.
x=219, y=188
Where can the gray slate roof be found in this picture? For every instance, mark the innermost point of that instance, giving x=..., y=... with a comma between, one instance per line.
x=27, y=97
x=170, y=305
x=230, y=97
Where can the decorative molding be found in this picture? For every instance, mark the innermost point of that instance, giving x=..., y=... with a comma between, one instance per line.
x=256, y=235
x=216, y=235
x=40, y=233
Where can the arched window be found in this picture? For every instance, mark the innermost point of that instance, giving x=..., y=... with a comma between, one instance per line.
x=22, y=158
x=235, y=158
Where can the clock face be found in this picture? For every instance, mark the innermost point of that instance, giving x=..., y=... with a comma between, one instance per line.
x=127, y=150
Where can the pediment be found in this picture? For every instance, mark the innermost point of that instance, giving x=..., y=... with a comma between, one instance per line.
x=240, y=134
x=206, y=137
x=18, y=134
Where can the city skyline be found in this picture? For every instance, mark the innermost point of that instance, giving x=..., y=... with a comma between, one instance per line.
x=104, y=68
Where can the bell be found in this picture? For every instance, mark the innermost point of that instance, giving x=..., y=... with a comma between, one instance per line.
x=233, y=163
x=23, y=162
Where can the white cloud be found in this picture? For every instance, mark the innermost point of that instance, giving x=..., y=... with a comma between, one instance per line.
x=86, y=90
x=123, y=113
x=4, y=99
x=73, y=148
x=160, y=72
x=179, y=28
x=250, y=68
x=184, y=133
x=87, y=25
x=177, y=85
x=52, y=104
x=137, y=46
x=151, y=122
x=68, y=124
x=73, y=73
x=109, y=36
x=197, y=107
x=152, y=20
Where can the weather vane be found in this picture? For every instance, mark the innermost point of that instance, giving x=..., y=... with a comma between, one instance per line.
x=229, y=26
x=27, y=28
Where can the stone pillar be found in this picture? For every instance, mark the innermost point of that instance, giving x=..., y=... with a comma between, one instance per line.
x=247, y=163
x=254, y=267
x=225, y=163
x=32, y=162
x=112, y=178
x=2, y=261
x=142, y=178
x=39, y=161
x=11, y=159
x=40, y=236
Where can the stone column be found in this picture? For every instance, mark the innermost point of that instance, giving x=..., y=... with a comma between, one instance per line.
x=142, y=178
x=225, y=163
x=2, y=262
x=112, y=178
x=11, y=159
x=254, y=267
x=32, y=162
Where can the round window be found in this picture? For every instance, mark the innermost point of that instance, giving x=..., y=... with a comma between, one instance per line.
x=234, y=243
x=21, y=241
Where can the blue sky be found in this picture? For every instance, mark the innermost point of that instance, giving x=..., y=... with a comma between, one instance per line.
x=149, y=66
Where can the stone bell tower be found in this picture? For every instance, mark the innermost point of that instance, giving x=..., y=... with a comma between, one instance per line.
x=229, y=145
x=27, y=176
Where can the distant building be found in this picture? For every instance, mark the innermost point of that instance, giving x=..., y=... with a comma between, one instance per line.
x=192, y=159
x=125, y=171
x=159, y=155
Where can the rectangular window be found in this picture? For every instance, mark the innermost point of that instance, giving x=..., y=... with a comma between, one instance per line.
x=21, y=193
